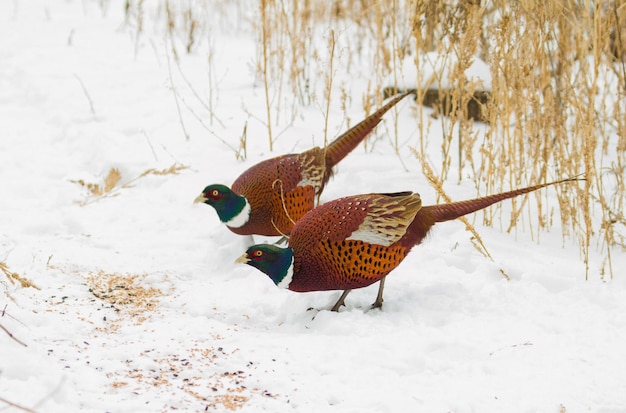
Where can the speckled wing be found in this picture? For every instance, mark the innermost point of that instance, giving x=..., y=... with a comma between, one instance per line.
x=312, y=168
x=387, y=218
x=374, y=218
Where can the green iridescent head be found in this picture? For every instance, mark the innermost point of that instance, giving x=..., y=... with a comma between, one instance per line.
x=232, y=209
x=274, y=261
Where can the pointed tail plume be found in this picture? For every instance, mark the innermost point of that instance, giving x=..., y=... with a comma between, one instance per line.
x=430, y=215
x=344, y=144
x=454, y=210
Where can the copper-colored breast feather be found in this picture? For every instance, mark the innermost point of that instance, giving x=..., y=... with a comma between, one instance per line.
x=348, y=264
x=291, y=206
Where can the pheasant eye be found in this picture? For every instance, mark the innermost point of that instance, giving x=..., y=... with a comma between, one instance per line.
x=257, y=254
x=215, y=194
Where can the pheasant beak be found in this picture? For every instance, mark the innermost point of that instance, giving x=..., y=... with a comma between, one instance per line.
x=243, y=259
x=200, y=199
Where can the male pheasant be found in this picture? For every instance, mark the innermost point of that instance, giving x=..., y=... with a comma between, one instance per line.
x=353, y=242
x=271, y=196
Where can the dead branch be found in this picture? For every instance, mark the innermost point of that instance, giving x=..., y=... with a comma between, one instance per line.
x=26, y=409
x=12, y=336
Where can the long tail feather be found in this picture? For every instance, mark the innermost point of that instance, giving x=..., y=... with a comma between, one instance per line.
x=454, y=210
x=344, y=144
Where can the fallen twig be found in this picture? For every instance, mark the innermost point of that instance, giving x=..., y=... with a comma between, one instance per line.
x=10, y=403
x=12, y=336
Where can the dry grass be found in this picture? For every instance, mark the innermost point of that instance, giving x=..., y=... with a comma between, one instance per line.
x=434, y=181
x=14, y=277
x=556, y=108
x=100, y=189
x=111, y=185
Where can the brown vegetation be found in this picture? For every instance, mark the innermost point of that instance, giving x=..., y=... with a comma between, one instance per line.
x=111, y=183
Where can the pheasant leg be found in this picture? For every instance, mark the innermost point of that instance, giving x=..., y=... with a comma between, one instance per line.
x=379, y=297
x=341, y=300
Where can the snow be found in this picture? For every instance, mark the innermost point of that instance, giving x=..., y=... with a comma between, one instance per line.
x=139, y=306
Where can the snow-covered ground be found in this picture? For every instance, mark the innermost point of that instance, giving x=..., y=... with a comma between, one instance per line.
x=139, y=306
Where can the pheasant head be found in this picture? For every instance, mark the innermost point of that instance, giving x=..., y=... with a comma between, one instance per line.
x=275, y=262
x=232, y=209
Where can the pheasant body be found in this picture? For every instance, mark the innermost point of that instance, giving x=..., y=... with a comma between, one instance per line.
x=279, y=191
x=355, y=241
x=351, y=242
